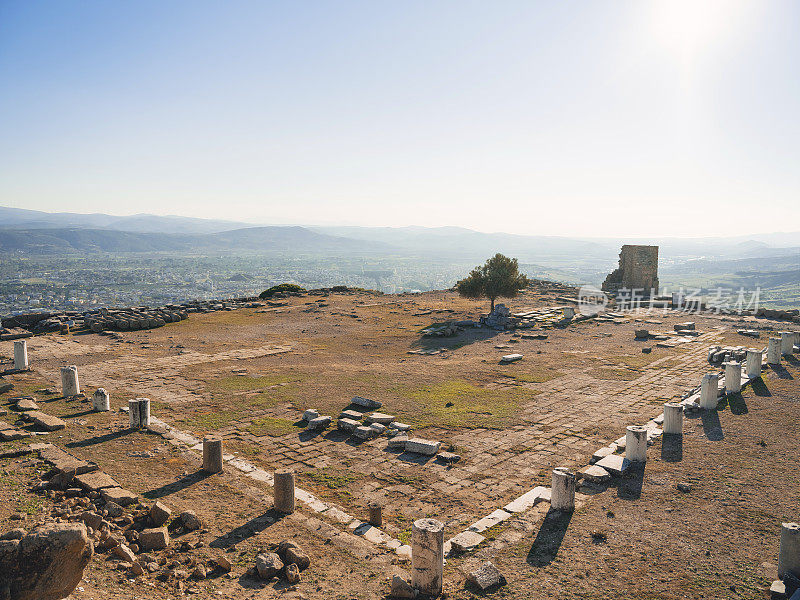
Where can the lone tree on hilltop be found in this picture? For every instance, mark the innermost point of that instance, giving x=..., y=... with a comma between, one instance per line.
x=499, y=277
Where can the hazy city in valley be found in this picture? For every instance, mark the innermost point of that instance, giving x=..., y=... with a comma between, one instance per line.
x=364, y=301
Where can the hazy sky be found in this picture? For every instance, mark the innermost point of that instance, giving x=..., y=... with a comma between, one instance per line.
x=572, y=118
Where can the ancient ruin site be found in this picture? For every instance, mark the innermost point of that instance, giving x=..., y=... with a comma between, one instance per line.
x=352, y=444
x=399, y=300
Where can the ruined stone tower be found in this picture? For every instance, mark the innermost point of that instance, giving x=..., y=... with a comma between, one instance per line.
x=638, y=269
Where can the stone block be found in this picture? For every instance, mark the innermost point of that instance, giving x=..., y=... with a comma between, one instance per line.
x=399, y=426
x=422, y=446
x=377, y=428
x=615, y=464
x=595, y=474
x=96, y=481
x=348, y=425
x=351, y=414
x=363, y=432
x=486, y=576
x=528, y=500
x=365, y=402
x=377, y=417
x=154, y=539
x=601, y=453
x=398, y=442
x=119, y=495
x=311, y=413
x=490, y=520
x=159, y=514
x=466, y=541
x=509, y=358
x=319, y=423
x=44, y=421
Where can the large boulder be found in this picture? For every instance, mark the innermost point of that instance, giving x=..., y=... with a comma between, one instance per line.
x=46, y=564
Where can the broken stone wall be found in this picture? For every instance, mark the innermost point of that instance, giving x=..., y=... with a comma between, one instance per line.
x=638, y=269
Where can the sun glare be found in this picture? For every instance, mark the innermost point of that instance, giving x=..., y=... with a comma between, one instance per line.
x=688, y=27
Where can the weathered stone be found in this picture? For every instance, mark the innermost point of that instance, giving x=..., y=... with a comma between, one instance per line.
x=92, y=519
x=113, y=509
x=397, y=442
x=377, y=428
x=422, y=446
x=295, y=555
x=528, y=500
x=311, y=413
x=466, y=541
x=189, y=520
x=124, y=553
x=159, y=514
x=351, y=414
x=44, y=421
x=348, y=425
x=62, y=461
x=14, y=534
x=486, y=576
x=268, y=565
x=223, y=563
x=490, y=520
x=595, y=474
x=377, y=417
x=615, y=464
x=120, y=496
x=27, y=404
x=96, y=481
x=402, y=589
x=365, y=402
x=399, y=426
x=318, y=423
x=509, y=358
x=293, y=574
x=154, y=539
x=601, y=453
x=46, y=564
x=448, y=457
x=363, y=432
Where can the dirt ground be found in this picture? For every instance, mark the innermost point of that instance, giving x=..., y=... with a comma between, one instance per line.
x=249, y=374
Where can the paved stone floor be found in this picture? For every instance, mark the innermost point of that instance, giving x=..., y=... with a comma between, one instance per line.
x=572, y=416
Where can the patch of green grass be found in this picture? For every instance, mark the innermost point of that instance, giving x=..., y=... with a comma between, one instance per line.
x=211, y=420
x=470, y=406
x=271, y=426
x=333, y=478
x=405, y=536
x=29, y=504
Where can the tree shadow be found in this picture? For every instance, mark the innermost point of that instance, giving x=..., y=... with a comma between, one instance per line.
x=737, y=404
x=759, y=387
x=107, y=437
x=253, y=527
x=711, y=425
x=672, y=447
x=177, y=486
x=548, y=540
x=461, y=339
x=630, y=484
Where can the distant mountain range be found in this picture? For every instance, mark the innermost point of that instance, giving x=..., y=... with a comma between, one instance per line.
x=577, y=259
x=296, y=240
